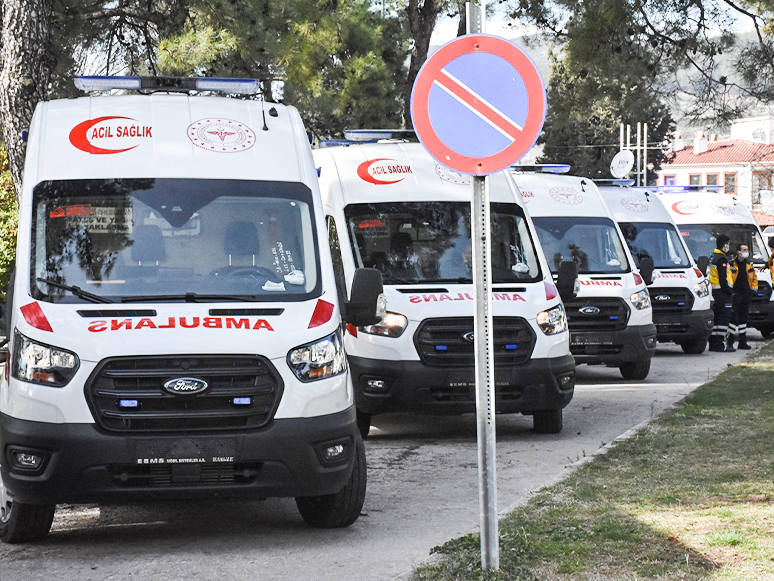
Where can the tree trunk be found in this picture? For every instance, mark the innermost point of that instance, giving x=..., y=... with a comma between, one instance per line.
x=26, y=69
x=421, y=23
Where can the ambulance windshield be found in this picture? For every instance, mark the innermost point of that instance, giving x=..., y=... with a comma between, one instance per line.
x=701, y=239
x=145, y=240
x=593, y=243
x=422, y=242
x=659, y=241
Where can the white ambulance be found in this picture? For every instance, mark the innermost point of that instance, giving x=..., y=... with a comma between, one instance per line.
x=174, y=327
x=611, y=318
x=702, y=216
x=680, y=294
x=391, y=206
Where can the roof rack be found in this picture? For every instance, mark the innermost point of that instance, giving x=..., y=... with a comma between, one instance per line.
x=555, y=168
x=614, y=182
x=372, y=135
x=173, y=84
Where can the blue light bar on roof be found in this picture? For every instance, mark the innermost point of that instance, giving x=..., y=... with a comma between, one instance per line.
x=337, y=142
x=555, y=168
x=615, y=182
x=683, y=189
x=105, y=83
x=376, y=134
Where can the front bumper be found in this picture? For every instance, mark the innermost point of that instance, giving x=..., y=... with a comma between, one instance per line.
x=691, y=326
x=412, y=386
x=614, y=348
x=83, y=464
x=761, y=315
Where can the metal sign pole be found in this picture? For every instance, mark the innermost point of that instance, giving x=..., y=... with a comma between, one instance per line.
x=483, y=348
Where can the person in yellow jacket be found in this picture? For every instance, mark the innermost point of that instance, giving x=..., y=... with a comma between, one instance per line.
x=745, y=288
x=722, y=293
x=771, y=258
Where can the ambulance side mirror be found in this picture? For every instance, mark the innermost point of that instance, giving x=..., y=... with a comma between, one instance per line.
x=646, y=270
x=366, y=301
x=703, y=264
x=567, y=280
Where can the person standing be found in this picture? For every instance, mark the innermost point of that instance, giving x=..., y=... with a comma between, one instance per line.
x=771, y=258
x=745, y=287
x=722, y=294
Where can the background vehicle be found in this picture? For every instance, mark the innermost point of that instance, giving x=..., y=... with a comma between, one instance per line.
x=174, y=324
x=701, y=217
x=611, y=318
x=389, y=205
x=679, y=295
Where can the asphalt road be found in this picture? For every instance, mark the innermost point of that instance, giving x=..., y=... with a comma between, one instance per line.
x=422, y=491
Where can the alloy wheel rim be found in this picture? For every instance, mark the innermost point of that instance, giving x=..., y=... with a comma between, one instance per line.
x=6, y=502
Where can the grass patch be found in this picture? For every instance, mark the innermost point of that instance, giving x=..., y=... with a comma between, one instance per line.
x=690, y=497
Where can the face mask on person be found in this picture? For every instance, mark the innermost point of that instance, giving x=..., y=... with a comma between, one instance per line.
x=745, y=255
x=726, y=248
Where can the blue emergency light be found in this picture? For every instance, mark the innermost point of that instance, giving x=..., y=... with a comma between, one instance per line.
x=555, y=168
x=177, y=84
x=360, y=135
x=623, y=183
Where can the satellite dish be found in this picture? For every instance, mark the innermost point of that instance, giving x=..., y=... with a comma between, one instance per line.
x=622, y=163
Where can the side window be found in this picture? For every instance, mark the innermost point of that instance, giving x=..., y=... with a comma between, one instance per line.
x=338, y=263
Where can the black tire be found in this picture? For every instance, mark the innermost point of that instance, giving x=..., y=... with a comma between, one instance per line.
x=635, y=369
x=343, y=508
x=23, y=523
x=363, y=424
x=547, y=421
x=695, y=347
x=767, y=332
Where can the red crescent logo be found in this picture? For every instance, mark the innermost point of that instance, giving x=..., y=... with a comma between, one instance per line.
x=395, y=173
x=78, y=136
x=676, y=209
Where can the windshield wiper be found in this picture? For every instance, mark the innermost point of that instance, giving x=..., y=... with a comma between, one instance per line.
x=77, y=291
x=188, y=298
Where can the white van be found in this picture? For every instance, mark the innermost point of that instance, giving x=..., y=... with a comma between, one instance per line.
x=611, y=318
x=702, y=216
x=391, y=206
x=174, y=326
x=680, y=294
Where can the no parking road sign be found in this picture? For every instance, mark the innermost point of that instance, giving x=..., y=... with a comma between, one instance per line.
x=478, y=104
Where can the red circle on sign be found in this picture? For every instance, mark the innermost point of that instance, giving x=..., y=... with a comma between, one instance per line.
x=431, y=70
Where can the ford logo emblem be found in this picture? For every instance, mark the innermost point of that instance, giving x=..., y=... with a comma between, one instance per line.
x=468, y=337
x=662, y=297
x=589, y=310
x=185, y=385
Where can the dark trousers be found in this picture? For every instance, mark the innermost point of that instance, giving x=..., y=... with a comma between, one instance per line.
x=738, y=323
x=722, y=308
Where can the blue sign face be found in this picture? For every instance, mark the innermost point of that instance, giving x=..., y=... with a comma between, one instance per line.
x=479, y=104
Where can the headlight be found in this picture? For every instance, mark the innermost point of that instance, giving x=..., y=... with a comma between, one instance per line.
x=391, y=325
x=640, y=300
x=318, y=360
x=701, y=288
x=38, y=363
x=552, y=321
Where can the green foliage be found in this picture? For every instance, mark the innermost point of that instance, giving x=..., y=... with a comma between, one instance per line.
x=195, y=50
x=604, y=78
x=9, y=221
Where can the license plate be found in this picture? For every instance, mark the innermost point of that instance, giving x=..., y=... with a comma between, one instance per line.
x=587, y=340
x=185, y=450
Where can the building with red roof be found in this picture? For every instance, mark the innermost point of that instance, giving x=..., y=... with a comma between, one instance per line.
x=742, y=163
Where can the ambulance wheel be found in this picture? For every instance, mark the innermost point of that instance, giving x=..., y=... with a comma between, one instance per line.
x=363, y=423
x=23, y=523
x=341, y=509
x=767, y=332
x=635, y=369
x=695, y=347
x=547, y=421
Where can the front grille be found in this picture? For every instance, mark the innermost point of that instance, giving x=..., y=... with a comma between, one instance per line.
x=612, y=314
x=462, y=394
x=139, y=381
x=578, y=350
x=671, y=301
x=219, y=474
x=764, y=292
x=442, y=343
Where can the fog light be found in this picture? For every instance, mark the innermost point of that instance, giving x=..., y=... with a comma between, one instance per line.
x=567, y=380
x=376, y=385
x=26, y=460
x=334, y=452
